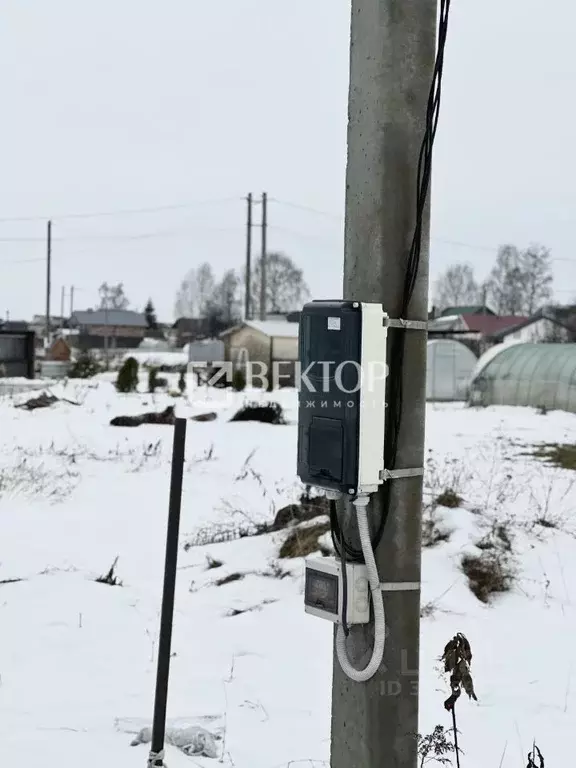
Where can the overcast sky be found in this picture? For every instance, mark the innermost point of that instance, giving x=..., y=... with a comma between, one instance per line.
x=131, y=104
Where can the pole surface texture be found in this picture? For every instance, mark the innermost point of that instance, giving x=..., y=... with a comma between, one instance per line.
x=166, y=618
x=391, y=63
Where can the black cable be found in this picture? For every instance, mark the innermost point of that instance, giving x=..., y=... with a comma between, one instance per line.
x=344, y=582
x=397, y=340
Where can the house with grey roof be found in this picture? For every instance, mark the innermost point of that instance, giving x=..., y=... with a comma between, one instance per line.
x=108, y=328
x=267, y=342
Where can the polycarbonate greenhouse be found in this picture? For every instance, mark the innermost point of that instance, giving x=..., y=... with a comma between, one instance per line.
x=448, y=370
x=534, y=375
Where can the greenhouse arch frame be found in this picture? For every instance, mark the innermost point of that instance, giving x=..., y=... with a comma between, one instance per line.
x=532, y=375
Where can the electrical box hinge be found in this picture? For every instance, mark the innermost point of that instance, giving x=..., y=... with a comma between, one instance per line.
x=399, y=474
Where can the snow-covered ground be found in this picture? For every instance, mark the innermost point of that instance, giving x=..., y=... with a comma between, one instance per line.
x=78, y=658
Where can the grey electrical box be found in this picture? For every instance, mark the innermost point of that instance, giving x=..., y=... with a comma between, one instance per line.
x=341, y=396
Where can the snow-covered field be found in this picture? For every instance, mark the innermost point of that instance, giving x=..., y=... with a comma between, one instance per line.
x=78, y=658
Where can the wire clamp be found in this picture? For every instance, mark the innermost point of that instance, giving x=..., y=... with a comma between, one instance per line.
x=156, y=759
x=406, y=325
x=399, y=474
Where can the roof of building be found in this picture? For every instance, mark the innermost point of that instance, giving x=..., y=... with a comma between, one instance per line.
x=471, y=309
x=188, y=323
x=488, y=325
x=113, y=317
x=542, y=314
x=14, y=326
x=278, y=329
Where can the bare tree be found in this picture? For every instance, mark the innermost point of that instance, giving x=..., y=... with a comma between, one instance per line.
x=227, y=295
x=112, y=297
x=286, y=289
x=520, y=281
x=187, y=303
x=507, y=282
x=457, y=286
x=223, y=307
x=537, y=268
x=195, y=293
x=206, y=286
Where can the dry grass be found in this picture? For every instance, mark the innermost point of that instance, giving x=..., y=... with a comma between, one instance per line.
x=34, y=478
x=304, y=541
x=559, y=454
x=449, y=498
x=433, y=533
x=489, y=573
x=498, y=538
x=239, y=611
x=232, y=577
x=110, y=578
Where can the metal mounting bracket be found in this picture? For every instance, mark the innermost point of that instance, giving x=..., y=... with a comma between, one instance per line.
x=400, y=586
x=399, y=474
x=406, y=325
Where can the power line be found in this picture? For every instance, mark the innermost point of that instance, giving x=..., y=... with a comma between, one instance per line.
x=122, y=211
x=306, y=208
x=141, y=236
x=445, y=241
x=198, y=203
x=289, y=231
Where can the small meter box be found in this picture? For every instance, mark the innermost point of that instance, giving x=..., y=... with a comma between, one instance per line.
x=324, y=591
x=342, y=392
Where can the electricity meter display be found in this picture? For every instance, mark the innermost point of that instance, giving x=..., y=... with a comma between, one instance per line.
x=321, y=591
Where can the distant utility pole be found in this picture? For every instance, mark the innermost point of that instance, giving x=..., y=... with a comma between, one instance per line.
x=248, y=287
x=264, y=257
x=106, y=331
x=48, y=279
x=62, y=310
x=392, y=58
x=71, y=300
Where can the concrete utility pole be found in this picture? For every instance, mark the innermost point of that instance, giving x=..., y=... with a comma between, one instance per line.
x=48, y=279
x=71, y=300
x=263, y=257
x=392, y=56
x=248, y=285
x=106, y=332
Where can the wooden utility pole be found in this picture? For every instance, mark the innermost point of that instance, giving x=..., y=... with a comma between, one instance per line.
x=264, y=256
x=48, y=279
x=248, y=286
x=374, y=724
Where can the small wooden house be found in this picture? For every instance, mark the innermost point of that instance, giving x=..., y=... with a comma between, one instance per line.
x=59, y=351
x=266, y=342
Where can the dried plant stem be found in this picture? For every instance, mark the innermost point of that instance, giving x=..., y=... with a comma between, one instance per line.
x=456, y=747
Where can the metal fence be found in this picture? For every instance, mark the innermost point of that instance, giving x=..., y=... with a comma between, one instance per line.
x=16, y=354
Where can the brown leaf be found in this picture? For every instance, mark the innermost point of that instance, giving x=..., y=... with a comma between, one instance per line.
x=467, y=682
x=464, y=647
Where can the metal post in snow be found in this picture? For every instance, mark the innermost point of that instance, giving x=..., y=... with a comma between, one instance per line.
x=156, y=757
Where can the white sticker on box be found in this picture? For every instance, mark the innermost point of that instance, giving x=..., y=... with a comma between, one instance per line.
x=333, y=323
